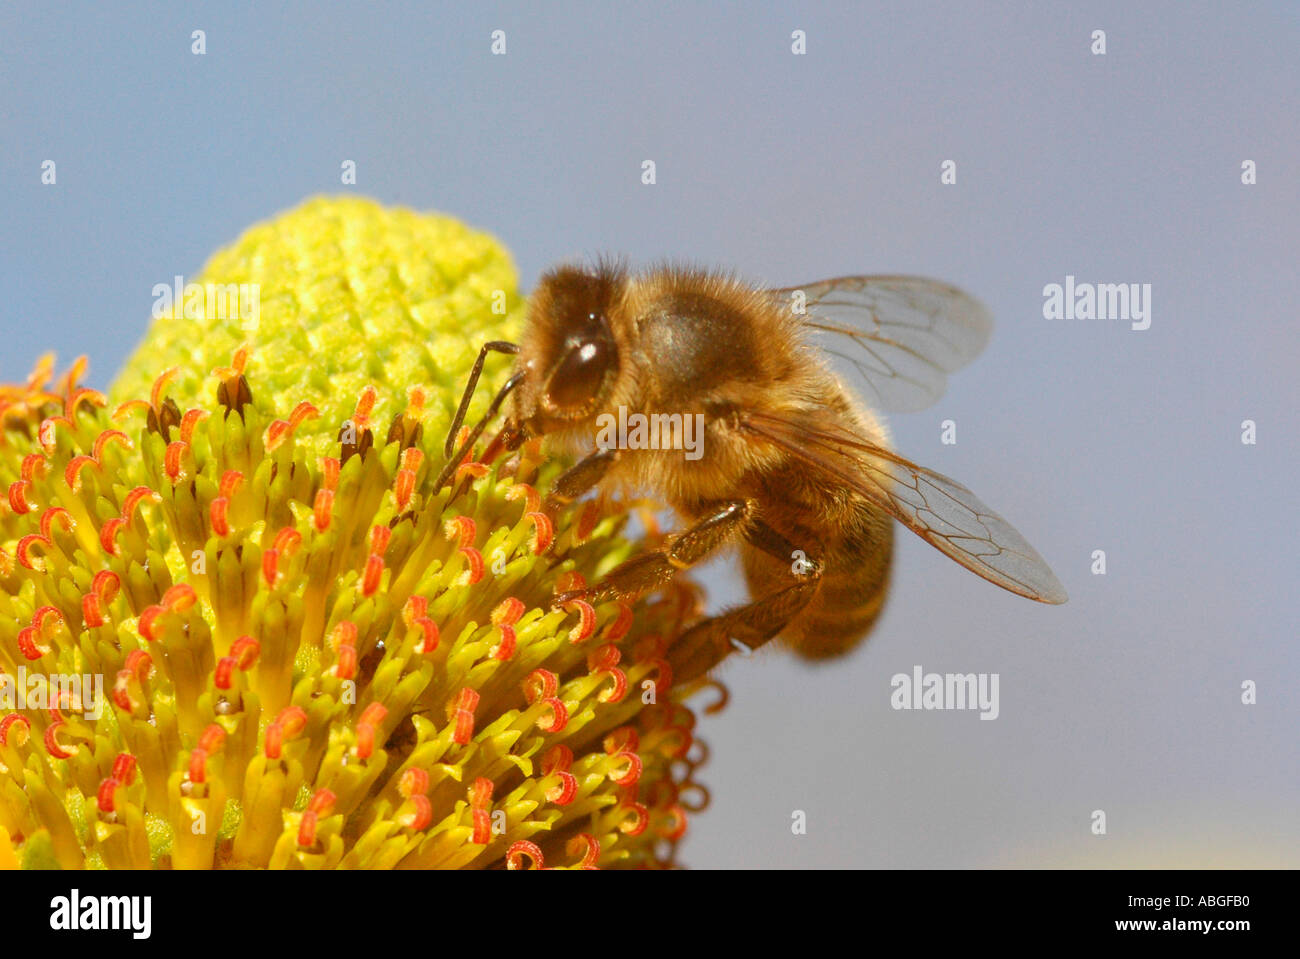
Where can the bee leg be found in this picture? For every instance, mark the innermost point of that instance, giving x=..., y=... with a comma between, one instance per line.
x=707, y=643
x=657, y=566
x=580, y=477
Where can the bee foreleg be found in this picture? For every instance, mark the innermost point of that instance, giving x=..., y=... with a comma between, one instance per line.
x=680, y=551
x=580, y=477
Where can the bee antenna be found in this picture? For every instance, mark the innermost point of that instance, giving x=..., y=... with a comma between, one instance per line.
x=498, y=346
x=480, y=426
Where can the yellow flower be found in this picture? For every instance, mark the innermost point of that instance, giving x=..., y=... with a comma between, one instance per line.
x=309, y=657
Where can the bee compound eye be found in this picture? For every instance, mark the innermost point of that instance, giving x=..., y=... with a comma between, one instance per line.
x=577, y=378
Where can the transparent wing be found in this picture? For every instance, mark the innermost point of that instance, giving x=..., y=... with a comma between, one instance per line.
x=903, y=334
x=941, y=511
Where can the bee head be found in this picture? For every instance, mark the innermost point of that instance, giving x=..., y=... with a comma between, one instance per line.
x=568, y=356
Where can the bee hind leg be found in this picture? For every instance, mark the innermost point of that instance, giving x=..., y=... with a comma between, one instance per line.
x=710, y=641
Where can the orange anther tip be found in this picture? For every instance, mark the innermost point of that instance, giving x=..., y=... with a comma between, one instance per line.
x=403, y=488
x=218, y=514
x=373, y=715
x=632, y=773
x=604, y=656
x=52, y=745
x=42, y=618
x=480, y=792
x=134, y=498
x=91, y=614
x=303, y=411
x=155, y=395
x=562, y=793
x=430, y=629
x=322, y=802
x=172, y=460
x=72, y=473
x=474, y=562
x=107, y=789
x=472, y=470
x=330, y=468
x=540, y=684
x=346, y=668
x=24, y=549
x=558, y=758
x=559, y=716
x=307, y=828
x=245, y=651
x=145, y=624
x=223, y=672
x=52, y=514
x=584, y=844
x=625, y=738
x=7, y=725
x=28, y=646
x=373, y=574
x=83, y=395
x=34, y=466
x=106, y=437
x=482, y=834
x=464, y=730
x=321, y=510
x=287, y=541
x=344, y=632
x=507, y=612
x=506, y=648
x=270, y=566
x=379, y=538
x=124, y=409
x=420, y=816
x=124, y=768
x=532, y=499
x=619, y=628
x=189, y=421
x=231, y=480
x=212, y=738
x=460, y=528
x=640, y=820
x=105, y=584
x=414, y=782
x=180, y=597
x=18, y=500
x=586, y=620
x=293, y=719
x=616, y=692
x=678, y=829
x=138, y=663
x=543, y=532
x=45, y=433
x=366, y=402
x=416, y=607
x=522, y=849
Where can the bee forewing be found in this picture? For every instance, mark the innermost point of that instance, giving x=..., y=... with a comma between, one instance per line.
x=941, y=511
x=902, y=334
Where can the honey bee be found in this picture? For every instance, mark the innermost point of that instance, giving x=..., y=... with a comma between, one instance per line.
x=793, y=467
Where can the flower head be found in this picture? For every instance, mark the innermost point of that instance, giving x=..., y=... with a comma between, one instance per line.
x=307, y=656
